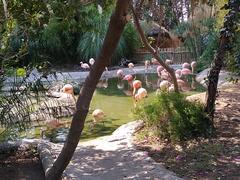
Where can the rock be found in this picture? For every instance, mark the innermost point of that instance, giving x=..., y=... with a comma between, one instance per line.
x=197, y=97
x=224, y=77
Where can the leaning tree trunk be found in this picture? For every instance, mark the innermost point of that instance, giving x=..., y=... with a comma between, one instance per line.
x=227, y=33
x=115, y=29
x=153, y=51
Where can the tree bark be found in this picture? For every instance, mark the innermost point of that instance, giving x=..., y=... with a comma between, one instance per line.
x=227, y=33
x=213, y=78
x=115, y=29
x=153, y=51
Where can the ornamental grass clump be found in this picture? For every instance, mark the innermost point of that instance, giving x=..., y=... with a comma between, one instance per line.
x=172, y=117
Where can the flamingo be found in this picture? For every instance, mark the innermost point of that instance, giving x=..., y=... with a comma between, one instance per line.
x=183, y=85
x=193, y=66
x=85, y=66
x=159, y=69
x=136, y=85
x=147, y=64
x=168, y=62
x=91, y=61
x=155, y=61
x=165, y=74
x=185, y=65
x=128, y=77
x=141, y=93
x=178, y=71
x=130, y=65
x=98, y=115
x=120, y=73
x=164, y=85
x=186, y=71
x=68, y=89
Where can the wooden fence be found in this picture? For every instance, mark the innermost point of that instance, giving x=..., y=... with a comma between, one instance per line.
x=178, y=55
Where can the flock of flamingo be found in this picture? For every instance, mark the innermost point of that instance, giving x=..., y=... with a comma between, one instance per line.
x=137, y=91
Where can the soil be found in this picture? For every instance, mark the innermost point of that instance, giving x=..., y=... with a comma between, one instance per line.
x=21, y=163
x=217, y=157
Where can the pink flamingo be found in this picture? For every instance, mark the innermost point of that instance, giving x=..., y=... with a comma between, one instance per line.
x=186, y=65
x=128, y=77
x=186, y=71
x=120, y=73
x=165, y=75
x=85, y=66
x=159, y=69
x=136, y=85
x=67, y=88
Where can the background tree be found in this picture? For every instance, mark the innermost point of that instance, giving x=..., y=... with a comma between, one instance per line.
x=231, y=24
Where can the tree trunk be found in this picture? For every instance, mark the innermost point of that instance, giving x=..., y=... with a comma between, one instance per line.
x=153, y=51
x=227, y=33
x=115, y=29
x=213, y=78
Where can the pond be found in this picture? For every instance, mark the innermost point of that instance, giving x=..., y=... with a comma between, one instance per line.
x=113, y=96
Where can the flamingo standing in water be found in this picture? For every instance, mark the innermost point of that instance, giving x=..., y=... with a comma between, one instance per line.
x=85, y=66
x=186, y=65
x=128, y=77
x=159, y=69
x=186, y=71
x=120, y=73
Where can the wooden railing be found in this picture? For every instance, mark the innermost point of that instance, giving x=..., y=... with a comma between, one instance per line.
x=178, y=55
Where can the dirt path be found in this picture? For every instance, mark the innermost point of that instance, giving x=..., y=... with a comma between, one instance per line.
x=214, y=158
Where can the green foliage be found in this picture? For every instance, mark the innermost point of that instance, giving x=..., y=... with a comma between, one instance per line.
x=201, y=39
x=173, y=117
x=91, y=41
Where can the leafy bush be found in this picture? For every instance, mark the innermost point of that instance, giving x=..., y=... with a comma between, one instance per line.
x=173, y=117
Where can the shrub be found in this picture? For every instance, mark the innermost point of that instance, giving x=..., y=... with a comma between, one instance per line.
x=171, y=116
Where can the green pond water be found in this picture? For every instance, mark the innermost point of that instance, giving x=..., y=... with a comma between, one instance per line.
x=115, y=103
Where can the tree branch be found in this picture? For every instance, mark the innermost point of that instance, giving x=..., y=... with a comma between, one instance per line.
x=153, y=51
